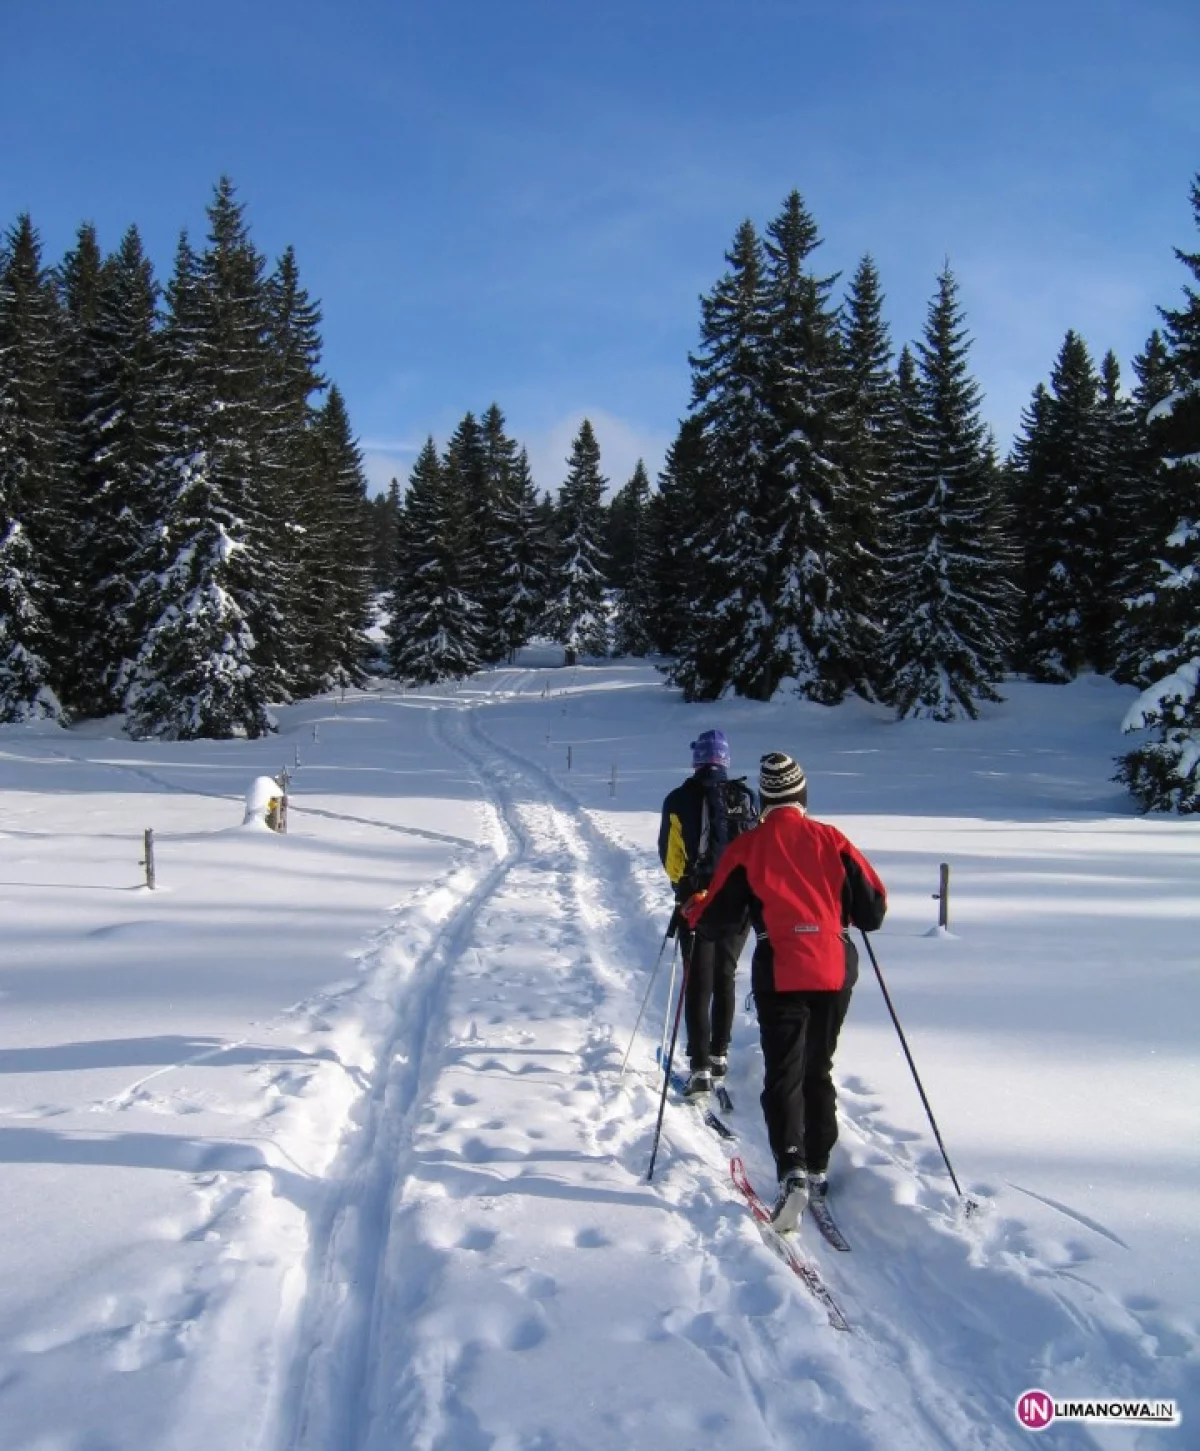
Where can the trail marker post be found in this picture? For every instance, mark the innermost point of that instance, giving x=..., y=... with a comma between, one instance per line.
x=942, y=895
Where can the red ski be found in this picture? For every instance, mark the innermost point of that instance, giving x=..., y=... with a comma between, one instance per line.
x=786, y=1248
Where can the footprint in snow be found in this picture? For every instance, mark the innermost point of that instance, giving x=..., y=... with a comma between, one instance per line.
x=477, y=1239
x=591, y=1239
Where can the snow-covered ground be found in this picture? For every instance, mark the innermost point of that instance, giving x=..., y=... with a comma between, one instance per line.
x=323, y=1145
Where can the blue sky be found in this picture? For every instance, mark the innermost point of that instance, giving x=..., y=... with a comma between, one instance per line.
x=521, y=201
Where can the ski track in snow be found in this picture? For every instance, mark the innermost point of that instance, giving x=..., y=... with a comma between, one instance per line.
x=498, y=1164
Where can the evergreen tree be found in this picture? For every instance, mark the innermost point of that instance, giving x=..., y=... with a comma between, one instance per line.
x=337, y=580
x=726, y=635
x=433, y=630
x=294, y=493
x=1143, y=518
x=622, y=523
x=235, y=373
x=633, y=626
x=1164, y=774
x=812, y=626
x=498, y=528
x=200, y=673
x=117, y=405
x=1125, y=497
x=578, y=613
x=1065, y=488
x=196, y=678
x=385, y=519
x=31, y=517
x=681, y=501
x=466, y=478
x=951, y=601
x=867, y=452
x=78, y=371
x=523, y=551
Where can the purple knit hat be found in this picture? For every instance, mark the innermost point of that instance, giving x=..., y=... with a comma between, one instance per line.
x=710, y=748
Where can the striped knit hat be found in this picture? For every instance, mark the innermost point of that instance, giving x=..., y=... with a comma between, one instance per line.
x=781, y=781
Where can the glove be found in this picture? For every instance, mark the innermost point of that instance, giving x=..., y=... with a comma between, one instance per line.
x=693, y=908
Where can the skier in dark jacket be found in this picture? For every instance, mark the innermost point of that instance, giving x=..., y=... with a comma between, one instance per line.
x=699, y=820
x=804, y=885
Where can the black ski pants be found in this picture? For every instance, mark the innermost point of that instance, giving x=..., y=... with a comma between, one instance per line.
x=799, y=1033
x=711, y=998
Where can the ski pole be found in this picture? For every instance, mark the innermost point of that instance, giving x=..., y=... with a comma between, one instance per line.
x=662, y=1103
x=649, y=987
x=662, y=1047
x=970, y=1203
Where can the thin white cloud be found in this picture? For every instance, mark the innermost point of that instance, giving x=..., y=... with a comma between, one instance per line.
x=1017, y=342
x=390, y=446
x=382, y=468
x=621, y=445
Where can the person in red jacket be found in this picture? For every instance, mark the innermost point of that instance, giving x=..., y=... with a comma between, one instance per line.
x=805, y=885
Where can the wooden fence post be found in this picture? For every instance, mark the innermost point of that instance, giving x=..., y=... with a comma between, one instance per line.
x=942, y=895
x=148, y=857
x=283, y=778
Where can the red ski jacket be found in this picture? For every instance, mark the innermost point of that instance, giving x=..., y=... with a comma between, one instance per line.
x=804, y=884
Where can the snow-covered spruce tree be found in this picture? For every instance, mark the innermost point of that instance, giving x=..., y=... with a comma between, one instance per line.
x=503, y=495
x=296, y=487
x=1143, y=517
x=239, y=432
x=867, y=448
x=728, y=628
x=198, y=673
x=337, y=572
x=1164, y=774
x=950, y=596
x=813, y=628
x=115, y=404
x=578, y=613
x=78, y=285
x=465, y=476
x=1121, y=445
x=433, y=631
x=30, y=481
x=633, y=630
x=674, y=511
x=1063, y=489
x=523, y=552
x=385, y=521
x=622, y=518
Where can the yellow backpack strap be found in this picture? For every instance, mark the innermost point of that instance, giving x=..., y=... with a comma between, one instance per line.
x=677, y=861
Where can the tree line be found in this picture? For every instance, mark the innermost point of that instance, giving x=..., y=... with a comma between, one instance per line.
x=834, y=518
x=185, y=534
x=184, y=531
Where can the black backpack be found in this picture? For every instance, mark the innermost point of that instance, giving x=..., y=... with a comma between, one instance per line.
x=740, y=813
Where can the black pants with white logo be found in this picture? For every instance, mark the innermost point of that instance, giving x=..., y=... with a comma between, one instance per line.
x=711, y=998
x=799, y=1033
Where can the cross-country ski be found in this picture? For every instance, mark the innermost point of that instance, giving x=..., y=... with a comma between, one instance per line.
x=786, y=1247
